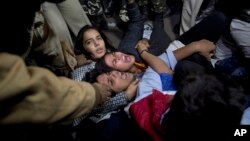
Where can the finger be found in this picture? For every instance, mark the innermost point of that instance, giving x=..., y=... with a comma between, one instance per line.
x=108, y=93
x=136, y=46
x=209, y=57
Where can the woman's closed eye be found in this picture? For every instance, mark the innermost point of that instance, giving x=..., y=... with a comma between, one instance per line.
x=114, y=59
x=109, y=79
x=114, y=62
x=110, y=83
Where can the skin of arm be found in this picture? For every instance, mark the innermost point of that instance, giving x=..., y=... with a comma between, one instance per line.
x=36, y=95
x=153, y=61
x=130, y=1
x=203, y=47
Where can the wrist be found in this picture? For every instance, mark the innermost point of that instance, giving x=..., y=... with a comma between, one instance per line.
x=142, y=51
x=97, y=93
x=128, y=96
x=196, y=46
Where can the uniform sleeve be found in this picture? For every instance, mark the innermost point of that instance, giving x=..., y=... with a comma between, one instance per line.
x=36, y=95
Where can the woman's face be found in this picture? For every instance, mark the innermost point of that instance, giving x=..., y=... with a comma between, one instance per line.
x=119, y=61
x=93, y=43
x=115, y=80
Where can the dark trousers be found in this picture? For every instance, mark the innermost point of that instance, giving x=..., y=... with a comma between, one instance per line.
x=210, y=28
x=117, y=128
x=159, y=40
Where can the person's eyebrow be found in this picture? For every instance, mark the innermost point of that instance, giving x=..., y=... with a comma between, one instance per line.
x=90, y=39
x=108, y=82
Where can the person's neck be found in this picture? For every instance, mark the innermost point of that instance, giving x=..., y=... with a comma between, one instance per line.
x=134, y=69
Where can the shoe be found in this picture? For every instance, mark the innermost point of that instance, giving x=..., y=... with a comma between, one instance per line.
x=148, y=29
x=123, y=14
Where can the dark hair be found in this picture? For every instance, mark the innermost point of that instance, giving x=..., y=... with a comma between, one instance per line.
x=101, y=65
x=79, y=41
x=205, y=103
x=92, y=75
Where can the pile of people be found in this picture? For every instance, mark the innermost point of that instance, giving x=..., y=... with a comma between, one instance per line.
x=63, y=75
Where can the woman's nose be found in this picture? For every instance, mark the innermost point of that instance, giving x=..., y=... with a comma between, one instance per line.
x=114, y=73
x=118, y=57
x=96, y=43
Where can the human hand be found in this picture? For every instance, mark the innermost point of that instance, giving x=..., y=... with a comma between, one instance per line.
x=142, y=45
x=130, y=1
x=206, y=48
x=81, y=60
x=104, y=91
x=131, y=90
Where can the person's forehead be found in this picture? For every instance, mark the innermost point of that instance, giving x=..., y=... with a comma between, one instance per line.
x=108, y=59
x=90, y=32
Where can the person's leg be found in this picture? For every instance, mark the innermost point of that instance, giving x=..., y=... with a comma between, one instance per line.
x=159, y=40
x=245, y=120
x=121, y=127
x=134, y=31
x=240, y=31
x=55, y=51
x=56, y=22
x=74, y=15
x=190, y=10
x=84, y=131
x=210, y=28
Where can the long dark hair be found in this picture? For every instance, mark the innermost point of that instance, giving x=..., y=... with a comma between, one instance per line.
x=79, y=41
x=101, y=65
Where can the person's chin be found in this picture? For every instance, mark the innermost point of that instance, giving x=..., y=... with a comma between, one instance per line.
x=99, y=55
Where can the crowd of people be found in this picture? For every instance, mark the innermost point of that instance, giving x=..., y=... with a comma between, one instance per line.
x=62, y=78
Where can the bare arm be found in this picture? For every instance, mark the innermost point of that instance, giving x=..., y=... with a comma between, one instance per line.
x=203, y=47
x=153, y=61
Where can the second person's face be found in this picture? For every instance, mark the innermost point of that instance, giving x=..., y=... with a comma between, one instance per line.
x=119, y=61
x=94, y=43
x=115, y=80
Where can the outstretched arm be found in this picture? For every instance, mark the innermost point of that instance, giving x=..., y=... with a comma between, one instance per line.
x=36, y=95
x=203, y=47
x=133, y=31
